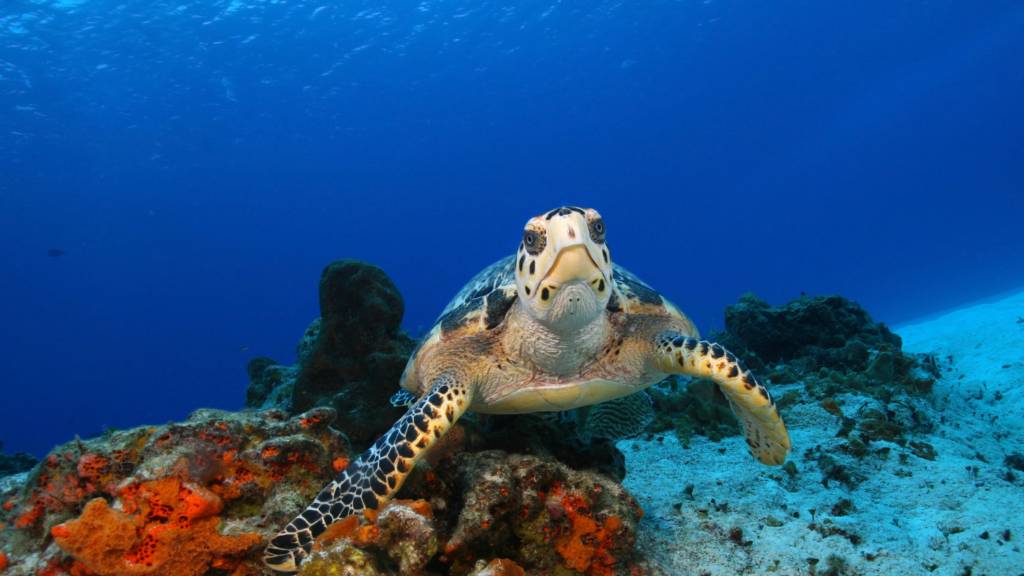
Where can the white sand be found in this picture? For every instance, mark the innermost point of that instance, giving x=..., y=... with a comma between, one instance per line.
x=916, y=517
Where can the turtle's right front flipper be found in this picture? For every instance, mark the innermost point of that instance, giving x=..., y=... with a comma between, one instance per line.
x=374, y=476
x=753, y=405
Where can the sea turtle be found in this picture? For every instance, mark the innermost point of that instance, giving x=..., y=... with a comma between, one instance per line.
x=553, y=327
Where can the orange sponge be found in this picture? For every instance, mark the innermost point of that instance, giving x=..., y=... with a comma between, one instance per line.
x=174, y=533
x=586, y=547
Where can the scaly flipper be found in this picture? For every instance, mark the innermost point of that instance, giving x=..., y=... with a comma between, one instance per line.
x=750, y=400
x=402, y=398
x=374, y=476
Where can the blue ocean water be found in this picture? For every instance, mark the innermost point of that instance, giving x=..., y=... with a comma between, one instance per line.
x=200, y=161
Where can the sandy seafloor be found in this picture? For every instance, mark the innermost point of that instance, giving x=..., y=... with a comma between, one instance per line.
x=918, y=517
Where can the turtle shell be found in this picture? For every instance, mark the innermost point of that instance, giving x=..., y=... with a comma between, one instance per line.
x=485, y=301
x=632, y=296
x=482, y=303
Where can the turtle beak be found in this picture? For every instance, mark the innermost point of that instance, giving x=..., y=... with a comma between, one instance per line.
x=574, y=263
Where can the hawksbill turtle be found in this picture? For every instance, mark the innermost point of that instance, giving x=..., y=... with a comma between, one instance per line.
x=554, y=327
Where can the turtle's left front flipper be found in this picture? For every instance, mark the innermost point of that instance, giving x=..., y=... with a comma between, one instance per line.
x=765, y=431
x=376, y=475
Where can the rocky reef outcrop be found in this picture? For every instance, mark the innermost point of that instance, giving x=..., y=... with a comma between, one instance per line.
x=350, y=359
x=173, y=500
x=824, y=331
x=828, y=342
x=826, y=353
x=489, y=513
x=206, y=495
x=15, y=463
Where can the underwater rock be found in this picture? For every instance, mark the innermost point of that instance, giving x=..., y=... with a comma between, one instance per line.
x=408, y=534
x=488, y=513
x=361, y=312
x=173, y=500
x=15, y=463
x=537, y=512
x=881, y=368
x=270, y=384
x=1015, y=461
x=497, y=567
x=267, y=380
x=350, y=359
x=829, y=344
x=399, y=538
x=819, y=327
x=339, y=558
x=532, y=435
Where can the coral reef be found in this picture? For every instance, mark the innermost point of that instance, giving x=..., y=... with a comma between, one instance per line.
x=400, y=537
x=350, y=359
x=815, y=329
x=549, y=515
x=15, y=463
x=827, y=345
x=489, y=513
x=848, y=366
x=174, y=500
x=206, y=494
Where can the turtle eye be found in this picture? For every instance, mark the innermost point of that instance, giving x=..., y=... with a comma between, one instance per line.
x=597, y=230
x=534, y=240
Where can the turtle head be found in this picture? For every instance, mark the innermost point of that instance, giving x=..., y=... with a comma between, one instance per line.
x=563, y=267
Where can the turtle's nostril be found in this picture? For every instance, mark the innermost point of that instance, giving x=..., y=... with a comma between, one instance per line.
x=563, y=211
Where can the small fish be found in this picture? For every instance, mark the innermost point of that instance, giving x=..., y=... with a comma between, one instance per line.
x=55, y=253
x=243, y=348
